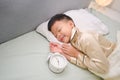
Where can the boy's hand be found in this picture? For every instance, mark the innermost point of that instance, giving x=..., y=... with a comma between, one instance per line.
x=69, y=50
x=55, y=47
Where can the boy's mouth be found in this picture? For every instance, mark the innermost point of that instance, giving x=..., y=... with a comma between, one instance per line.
x=62, y=38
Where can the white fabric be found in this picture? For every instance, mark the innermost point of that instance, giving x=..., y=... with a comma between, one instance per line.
x=82, y=19
x=87, y=21
x=114, y=60
x=42, y=28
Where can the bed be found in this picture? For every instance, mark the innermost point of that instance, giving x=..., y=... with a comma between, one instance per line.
x=25, y=57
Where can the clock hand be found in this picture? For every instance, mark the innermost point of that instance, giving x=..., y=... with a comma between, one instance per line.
x=57, y=60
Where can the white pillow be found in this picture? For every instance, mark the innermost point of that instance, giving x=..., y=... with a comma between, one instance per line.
x=43, y=29
x=82, y=19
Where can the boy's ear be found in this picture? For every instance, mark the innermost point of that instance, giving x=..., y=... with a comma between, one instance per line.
x=71, y=23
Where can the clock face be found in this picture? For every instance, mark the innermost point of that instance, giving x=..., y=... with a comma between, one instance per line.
x=58, y=61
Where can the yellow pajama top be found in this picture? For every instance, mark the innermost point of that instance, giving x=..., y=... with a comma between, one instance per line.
x=95, y=50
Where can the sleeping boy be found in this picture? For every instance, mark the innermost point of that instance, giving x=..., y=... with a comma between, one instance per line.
x=88, y=50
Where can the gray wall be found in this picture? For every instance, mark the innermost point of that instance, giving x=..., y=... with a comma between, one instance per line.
x=20, y=16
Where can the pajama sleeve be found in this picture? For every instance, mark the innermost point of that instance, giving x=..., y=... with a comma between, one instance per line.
x=78, y=61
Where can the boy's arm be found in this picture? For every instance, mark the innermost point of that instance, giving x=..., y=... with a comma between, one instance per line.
x=73, y=55
x=75, y=60
x=78, y=60
x=69, y=50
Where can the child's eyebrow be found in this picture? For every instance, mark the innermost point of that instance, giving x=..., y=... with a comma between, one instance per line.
x=55, y=32
x=58, y=28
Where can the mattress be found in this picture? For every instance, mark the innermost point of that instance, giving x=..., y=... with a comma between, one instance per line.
x=25, y=57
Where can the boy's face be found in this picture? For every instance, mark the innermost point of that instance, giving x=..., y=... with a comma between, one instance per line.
x=62, y=30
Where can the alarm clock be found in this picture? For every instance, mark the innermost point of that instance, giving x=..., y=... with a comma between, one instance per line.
x=57, y=62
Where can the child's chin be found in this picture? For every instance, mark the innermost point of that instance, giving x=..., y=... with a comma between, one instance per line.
x=65, y=41
x=62, y=41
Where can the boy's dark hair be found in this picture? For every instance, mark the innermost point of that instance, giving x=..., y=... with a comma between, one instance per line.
x=57, y=17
